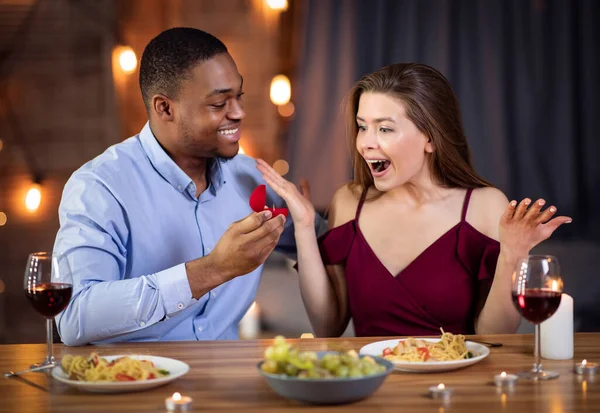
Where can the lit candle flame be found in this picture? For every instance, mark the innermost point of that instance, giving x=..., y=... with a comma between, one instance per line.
x=584, y=362
x=176, y=396
x=441, y=386
x=503, y=374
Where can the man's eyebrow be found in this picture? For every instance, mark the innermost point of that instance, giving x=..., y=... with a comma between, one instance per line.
x=225, y=91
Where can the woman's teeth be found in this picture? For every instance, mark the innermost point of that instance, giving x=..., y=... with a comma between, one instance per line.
x=378, y=165
x=228, y=131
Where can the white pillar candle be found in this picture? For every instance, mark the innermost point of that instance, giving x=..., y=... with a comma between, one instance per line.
x=249, y=326
x=557, y=332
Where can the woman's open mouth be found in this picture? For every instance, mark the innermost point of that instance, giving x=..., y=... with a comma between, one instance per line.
x=378, y=166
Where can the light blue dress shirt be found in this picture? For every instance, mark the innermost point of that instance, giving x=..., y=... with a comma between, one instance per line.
x=129, y=221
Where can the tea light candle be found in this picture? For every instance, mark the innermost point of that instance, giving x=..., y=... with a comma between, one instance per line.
x=590, y=369
x=440, y=392
x=178, y=403
x=505, y=380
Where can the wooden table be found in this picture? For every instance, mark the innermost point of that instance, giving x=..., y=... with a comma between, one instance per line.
x=223, y=377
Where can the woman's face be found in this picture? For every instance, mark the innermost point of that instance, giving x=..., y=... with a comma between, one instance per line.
x=394, y=149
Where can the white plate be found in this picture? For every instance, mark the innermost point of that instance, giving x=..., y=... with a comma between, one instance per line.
x=376, y=349
x=176, y=369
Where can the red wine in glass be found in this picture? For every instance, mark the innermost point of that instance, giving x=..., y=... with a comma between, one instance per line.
x=536, y=294
x=48, y=287
x=49, y=299
x=537, y=305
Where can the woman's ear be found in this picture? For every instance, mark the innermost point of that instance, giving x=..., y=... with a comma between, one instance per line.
x=162, y=108
x=429, y=148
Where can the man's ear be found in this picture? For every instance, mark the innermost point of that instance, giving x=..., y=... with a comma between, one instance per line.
x=162, y=107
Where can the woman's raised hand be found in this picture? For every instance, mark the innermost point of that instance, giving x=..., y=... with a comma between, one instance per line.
x=525, y=225
x=299, y=204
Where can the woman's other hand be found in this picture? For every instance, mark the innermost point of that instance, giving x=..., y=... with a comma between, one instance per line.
x=525, y=225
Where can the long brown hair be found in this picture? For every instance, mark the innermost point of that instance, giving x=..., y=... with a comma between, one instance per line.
x=432, y=106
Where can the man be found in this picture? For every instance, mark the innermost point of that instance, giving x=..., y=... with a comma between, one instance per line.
x=158, y=231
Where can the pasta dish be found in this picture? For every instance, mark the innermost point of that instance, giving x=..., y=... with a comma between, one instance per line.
x=95, y=368
x=450, y=347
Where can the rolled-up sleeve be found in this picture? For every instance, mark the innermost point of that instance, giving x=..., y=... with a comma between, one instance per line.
x=94, y=235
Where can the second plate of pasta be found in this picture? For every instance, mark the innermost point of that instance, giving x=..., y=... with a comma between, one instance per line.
x=143, y=373
x=474, y=354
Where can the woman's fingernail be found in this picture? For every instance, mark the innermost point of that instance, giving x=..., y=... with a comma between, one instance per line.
x=513, y=203
x=541, y=202
x=527, y=201
x=552, y=209
x=569, y=221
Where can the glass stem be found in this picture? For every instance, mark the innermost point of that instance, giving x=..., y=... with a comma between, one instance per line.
x=537, y=366
x=49, y=341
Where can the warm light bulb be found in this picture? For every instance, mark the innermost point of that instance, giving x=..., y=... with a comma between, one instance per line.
x=286, y=110
x=3, y=219
x=1, y=144
x=584, y=362
x=441, y=386
x=33, y=198
x=281, y=90
x=280, y=5
x=176, y=396
x=127, y=59
x=503, y=374
x=281, y=167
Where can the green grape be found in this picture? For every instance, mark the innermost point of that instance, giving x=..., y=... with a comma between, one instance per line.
x=280, y=352
x=349, y=361
x=331, y=363
x=313, y=374
x=341, y=371
x=368, y=369
x=301, y=364
x=270, y=366
x=303, y=375
x=269, y=353
x=355, y=372
x=368, y=359
x=291, y=370
x=279, y=340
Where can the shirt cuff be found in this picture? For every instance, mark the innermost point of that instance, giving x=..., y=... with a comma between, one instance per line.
x=174, y=289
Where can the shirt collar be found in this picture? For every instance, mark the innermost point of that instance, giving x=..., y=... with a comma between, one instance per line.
x=170, y=171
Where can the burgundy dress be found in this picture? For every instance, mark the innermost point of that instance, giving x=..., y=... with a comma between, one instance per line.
x=440, y=288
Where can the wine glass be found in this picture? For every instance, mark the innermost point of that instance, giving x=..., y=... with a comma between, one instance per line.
x=48, y=287
x=536, y=293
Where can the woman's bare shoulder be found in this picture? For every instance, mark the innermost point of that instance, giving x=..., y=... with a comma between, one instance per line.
x=343, y=205
x=485, y=209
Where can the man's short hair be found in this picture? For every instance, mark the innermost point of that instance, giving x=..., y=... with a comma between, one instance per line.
x=169, y=57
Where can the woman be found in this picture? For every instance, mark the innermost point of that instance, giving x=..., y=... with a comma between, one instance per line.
x=418, y=240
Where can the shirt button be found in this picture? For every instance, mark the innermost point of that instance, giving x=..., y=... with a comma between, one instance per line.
x=180, y=306
x=142, y=324
x=200, y=328
x=214, y=294
x=179, y=187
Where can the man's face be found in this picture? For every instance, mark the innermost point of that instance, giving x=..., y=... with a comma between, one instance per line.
x=208, y=110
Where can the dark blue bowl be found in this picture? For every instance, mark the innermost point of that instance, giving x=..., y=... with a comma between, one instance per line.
x=327, y=391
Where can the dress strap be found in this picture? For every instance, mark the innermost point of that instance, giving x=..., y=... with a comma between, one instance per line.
x=361, y=202
x=466, y=204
